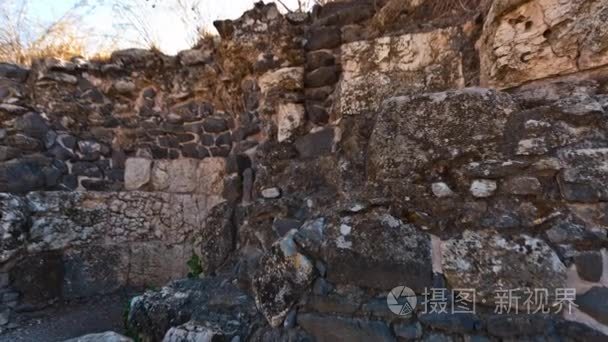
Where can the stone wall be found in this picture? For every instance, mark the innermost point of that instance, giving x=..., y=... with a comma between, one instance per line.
x=314, y=162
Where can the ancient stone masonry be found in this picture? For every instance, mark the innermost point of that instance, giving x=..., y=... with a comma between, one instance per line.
x=315, y=161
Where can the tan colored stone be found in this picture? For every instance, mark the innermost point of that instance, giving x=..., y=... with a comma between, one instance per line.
x=210, y=175
x=137, y=172
x=374, y=70
x=290, y=116
x=288, y=79
x=535, y=39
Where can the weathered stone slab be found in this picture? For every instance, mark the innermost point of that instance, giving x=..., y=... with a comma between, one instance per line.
x=488, y=261
x=374, y=70
x=438, y=126
x=533, y=39
x=377, y=250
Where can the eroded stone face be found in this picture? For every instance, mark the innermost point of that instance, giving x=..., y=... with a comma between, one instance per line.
x=438, y=127
x=489, y=261
x=375, y=69
x=541, y=38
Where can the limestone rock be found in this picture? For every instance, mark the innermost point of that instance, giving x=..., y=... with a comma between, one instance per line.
x=441, y=189
x=417, y=60
x=137, y=173
x=529, y=40
x=439, y=126
x=481, y=188
x=584, y=174
x=488, y=261
x=290, y=116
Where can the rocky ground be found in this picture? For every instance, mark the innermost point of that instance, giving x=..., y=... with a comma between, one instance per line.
x=68, y=320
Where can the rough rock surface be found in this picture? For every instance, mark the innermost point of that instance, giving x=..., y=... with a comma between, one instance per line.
x=213, y=303
x=487, y=261
x=109, y=336
x=528, y=40
x=439, y=127
x=305, y=164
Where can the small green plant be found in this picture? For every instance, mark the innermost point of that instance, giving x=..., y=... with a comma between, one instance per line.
x=194, y=264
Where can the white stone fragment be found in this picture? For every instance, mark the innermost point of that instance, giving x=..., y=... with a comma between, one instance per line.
x=482, y=188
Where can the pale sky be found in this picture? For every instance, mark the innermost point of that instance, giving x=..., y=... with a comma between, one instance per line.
x=169, y=30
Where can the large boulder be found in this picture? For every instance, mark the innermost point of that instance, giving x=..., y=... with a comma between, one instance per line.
x=488, y=261
x=14, y=220
x=414, y=132
x=213, y=303
x=525, y=40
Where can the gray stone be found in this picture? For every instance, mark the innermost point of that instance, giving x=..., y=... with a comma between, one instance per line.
x=108, y=336
x=439, y=126
x=283, y=276
x=23, y=175
x=316, y=144
x=505, y=326
x=194, y=332
x=24, y=142
x=89, y=150
x=320, y=58
x=7, y=153
x=13, y=71
x=323, y=38
x=331, y=328
x=593, y=302
x=482, y=188
x=217, y=237
x=451, y=323
x=408, y=331
x=282, y=226
x=589, y=265
x=193, y=57
x=316, y=112
x=380, y=252
x=323, y=76
x=33, y=124
x=215, y=125
x=441, y=190
x=523, y=186
x=487, y=261
x=14, y=214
